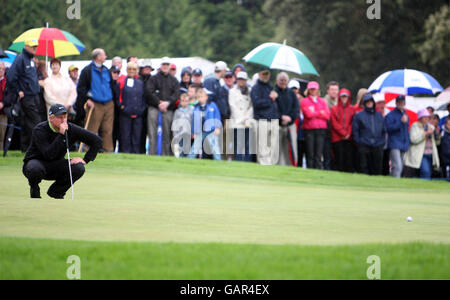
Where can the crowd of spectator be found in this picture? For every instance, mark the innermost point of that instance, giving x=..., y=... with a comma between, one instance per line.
x=227, y=116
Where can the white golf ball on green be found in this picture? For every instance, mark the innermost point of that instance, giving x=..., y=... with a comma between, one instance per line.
x=409, y=219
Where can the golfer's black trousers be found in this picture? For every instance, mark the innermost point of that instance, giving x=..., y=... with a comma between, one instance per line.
x=37, y=170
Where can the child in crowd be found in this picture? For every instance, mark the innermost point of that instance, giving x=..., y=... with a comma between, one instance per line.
x=181, y=127
x=206, y=127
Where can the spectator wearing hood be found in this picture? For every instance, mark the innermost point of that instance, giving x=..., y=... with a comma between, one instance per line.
x=265, y=108
x=162, y=94
x=316, y=115
x=445, y=146
x=369, y=133
x=237, y=69
x=397, y=127
x=186, y=80
x=289, y=110
x=341, y=132
x=423, y=154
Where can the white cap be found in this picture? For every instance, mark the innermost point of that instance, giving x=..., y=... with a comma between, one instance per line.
x=145, y=63
x=165, y=61
x=221, y=66
x=242, y=75
x=294, y=84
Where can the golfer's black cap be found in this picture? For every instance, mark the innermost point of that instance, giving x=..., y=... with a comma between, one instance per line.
x=57, y=110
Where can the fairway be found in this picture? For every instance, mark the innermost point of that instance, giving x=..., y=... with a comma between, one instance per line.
x=141, y=202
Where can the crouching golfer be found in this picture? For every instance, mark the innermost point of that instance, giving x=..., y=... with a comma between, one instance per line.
x=45, y=160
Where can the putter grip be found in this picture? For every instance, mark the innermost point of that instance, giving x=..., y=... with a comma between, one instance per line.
x=66, y=135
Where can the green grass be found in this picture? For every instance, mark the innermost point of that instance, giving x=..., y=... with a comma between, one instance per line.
x=162, y=218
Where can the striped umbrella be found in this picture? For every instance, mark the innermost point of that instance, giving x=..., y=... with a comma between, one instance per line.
x=406, y=82
x=53, y=42
x=281, y=57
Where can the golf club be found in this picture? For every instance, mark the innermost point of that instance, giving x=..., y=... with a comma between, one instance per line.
x=68, y=160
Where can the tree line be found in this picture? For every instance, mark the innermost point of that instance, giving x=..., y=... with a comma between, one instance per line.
x=339, y=39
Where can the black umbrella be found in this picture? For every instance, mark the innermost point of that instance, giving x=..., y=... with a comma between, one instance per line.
x=3, y=54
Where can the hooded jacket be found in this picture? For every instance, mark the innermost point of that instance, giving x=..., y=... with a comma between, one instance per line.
x=341, y=118
x=368, y=127
x=414, y=156
x=398, y=132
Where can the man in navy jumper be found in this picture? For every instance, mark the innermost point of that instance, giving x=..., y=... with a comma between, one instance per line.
x=23, y=80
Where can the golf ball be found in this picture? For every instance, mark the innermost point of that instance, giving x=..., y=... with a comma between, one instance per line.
x=409, y=219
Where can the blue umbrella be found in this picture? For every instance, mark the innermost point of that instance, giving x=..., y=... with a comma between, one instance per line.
x=406, y=82
x=10, y=59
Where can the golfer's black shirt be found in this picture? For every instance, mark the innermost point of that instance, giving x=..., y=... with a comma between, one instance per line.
x=48, y=145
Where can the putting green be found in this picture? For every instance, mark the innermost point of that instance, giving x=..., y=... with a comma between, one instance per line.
x=139, y=198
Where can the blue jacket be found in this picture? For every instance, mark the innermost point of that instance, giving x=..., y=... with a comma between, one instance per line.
x=133, y=98
x=263, y=106
x=368, y=128
x=22, y=76
x=398, y=133
x=101, y=85
x=206, y=119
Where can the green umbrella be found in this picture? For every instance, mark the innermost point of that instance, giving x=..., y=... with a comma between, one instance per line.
x=281, y=57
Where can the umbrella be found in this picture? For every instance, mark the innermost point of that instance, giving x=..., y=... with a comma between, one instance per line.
x=444, y=96
x=53, y=42
x=9, y=59
x=281, y=57
x=405, y=82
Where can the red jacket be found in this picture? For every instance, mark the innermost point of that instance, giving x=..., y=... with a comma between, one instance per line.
x=316, y=114
x=341, y=118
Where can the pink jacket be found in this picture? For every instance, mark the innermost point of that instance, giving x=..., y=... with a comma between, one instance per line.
x=316, y=114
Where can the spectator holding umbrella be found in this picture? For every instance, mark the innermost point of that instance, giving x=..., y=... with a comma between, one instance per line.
x=397, y=127
x=59, y=89
x=289, y=110
x=370, y=135
x=23, y=81
x=423, y=154
x=341, y=132
x=131, y=109
x=265, y=107
x=316, y=114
